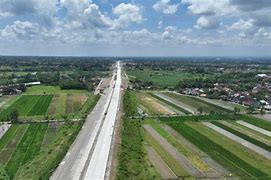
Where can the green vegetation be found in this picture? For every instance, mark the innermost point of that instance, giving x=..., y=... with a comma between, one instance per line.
x=27, y=148
x=241, y=135
x=41, y=89
x=41, y=106
x=159, y=78
x=229, y=160
x=208, y=117
x=132, y=159
x=256, y=121
x=130, y=103
x=171, y=104
x=197, y=103
x=43, y=164
x=87, y=106
x=24, y=104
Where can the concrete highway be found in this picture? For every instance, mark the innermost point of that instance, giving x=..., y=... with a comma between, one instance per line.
x=88, y=156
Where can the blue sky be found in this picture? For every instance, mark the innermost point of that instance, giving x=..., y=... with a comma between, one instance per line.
x=135, y=27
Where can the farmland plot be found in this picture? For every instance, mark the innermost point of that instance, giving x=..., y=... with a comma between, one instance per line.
x=41, y=106
x=235, y=164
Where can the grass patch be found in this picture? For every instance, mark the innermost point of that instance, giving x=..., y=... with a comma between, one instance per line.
x=132, y=162
x=243, y=136
x=41, y=106
x=209, y=117
x=230, y=161
x=160, y=78
x=41, y=89
x=130, y=103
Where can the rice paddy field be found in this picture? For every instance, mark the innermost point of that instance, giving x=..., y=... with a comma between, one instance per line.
x=48, y=102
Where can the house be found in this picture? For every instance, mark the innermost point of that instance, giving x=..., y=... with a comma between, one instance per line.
x=261, y=75
x=32, y=83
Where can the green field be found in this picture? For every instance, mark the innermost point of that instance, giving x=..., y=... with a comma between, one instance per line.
x=51, y=90
x=197, y=103
x=28, y=105
x=233, y=163
x=160, y=78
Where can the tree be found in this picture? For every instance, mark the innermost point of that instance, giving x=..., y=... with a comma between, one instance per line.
x=262, y=111
x=250, y=109
x=236, y=110
x=200, y=110
x=13, y=116
x=22, y=87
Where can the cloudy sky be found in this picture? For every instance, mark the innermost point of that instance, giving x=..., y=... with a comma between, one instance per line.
x=135, y=27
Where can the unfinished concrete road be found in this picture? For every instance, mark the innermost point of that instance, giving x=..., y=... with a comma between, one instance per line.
x=239, y=140
x=98, y=127
x=255, y=128
x=97, y=168
x=160, y=165
x=176, y=102
x=181, y=159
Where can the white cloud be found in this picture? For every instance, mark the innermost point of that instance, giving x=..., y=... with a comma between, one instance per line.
x=160, y=24
x=209, y=7
x=165, y=7
x=126, y=14
x=207, y=22
x=169, y=32
x=22, y=30
x=243, y=25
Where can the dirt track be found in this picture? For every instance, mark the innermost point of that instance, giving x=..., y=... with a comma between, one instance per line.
x=159, y=164
x=181, y=159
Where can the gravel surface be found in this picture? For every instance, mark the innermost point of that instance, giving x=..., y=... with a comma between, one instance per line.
x=160, y=165
x=255, y=128
x=183, y=161
x=239, y=140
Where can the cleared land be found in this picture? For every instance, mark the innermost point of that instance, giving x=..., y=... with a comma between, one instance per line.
x=172, y=103
x=152, y=105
